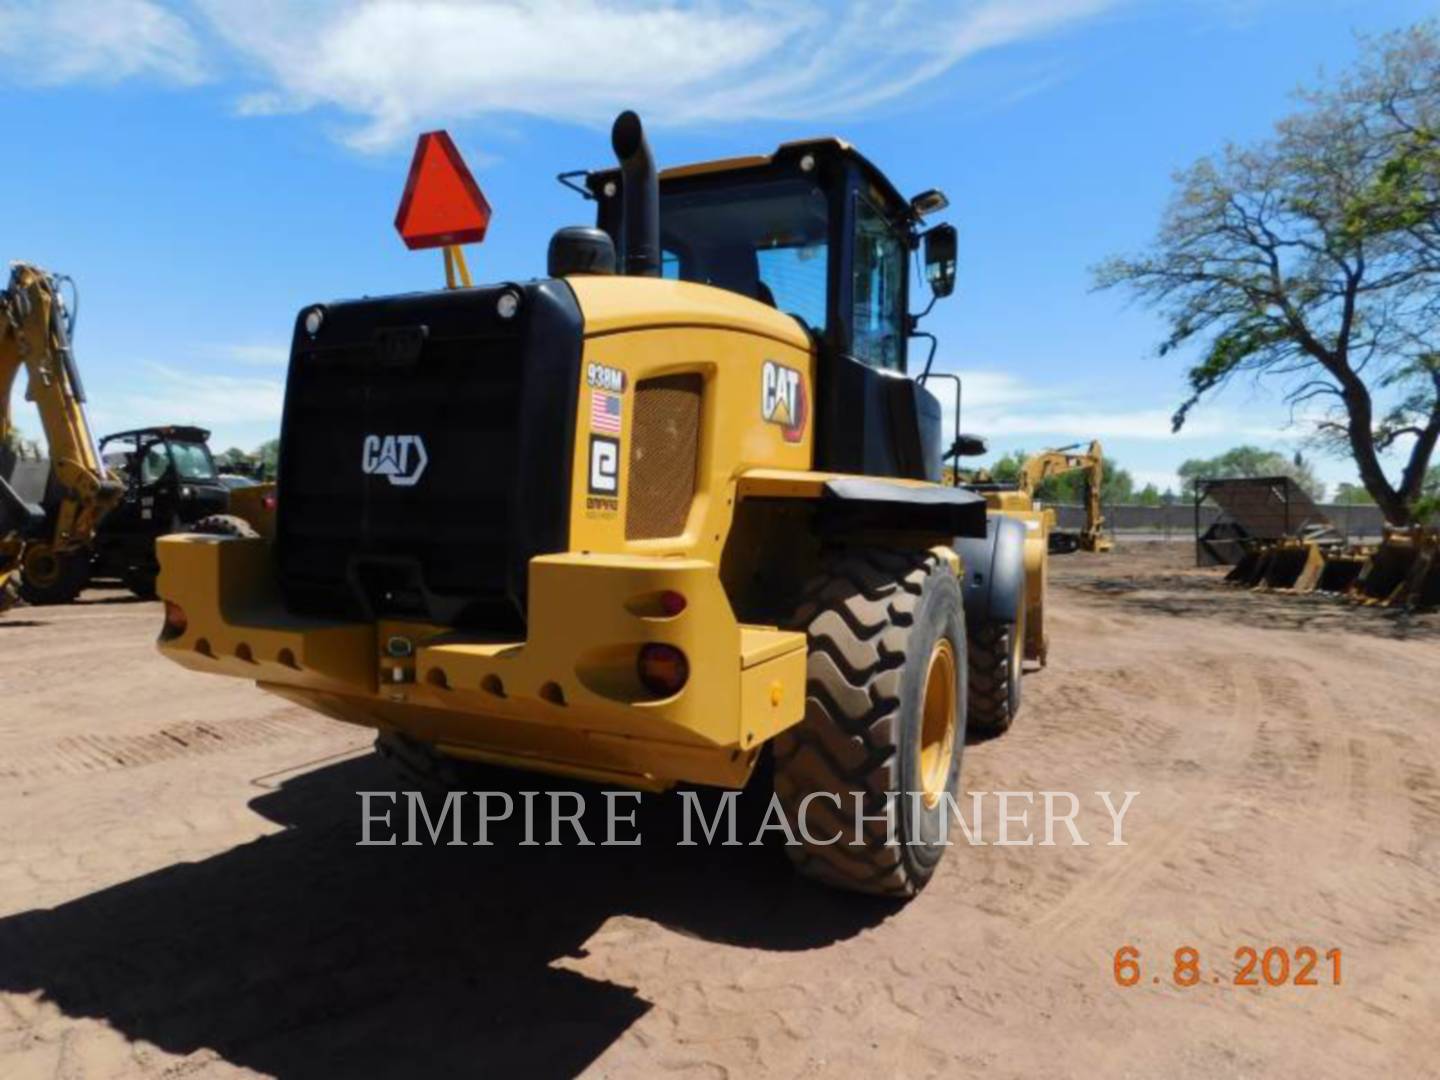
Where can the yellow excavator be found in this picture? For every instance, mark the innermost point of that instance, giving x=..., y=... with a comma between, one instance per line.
x=1060, y=462
x=48, y=515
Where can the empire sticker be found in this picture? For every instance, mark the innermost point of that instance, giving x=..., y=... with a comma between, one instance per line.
x=604, y=485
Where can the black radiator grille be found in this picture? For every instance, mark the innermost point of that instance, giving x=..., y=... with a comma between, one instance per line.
x=441, y=371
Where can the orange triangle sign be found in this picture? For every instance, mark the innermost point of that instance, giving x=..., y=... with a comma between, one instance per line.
x=442, y=204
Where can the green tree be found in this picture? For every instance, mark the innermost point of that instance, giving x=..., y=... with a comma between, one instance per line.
x=1314, y=257
x=1348, y=494
x=1250, y=461
x=1149, y=495
x=268, y=454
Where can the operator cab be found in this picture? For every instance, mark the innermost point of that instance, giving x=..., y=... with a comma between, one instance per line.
x=170, y=483
x=815, y=230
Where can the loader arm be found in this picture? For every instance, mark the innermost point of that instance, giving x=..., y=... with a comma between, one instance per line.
x=35, y=336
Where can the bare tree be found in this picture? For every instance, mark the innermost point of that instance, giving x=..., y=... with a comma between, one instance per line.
x=1315, y=257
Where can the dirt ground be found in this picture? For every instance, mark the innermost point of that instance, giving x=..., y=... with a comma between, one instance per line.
x=180, y=894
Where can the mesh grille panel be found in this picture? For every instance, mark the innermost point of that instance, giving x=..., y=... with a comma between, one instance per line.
x=663, y=450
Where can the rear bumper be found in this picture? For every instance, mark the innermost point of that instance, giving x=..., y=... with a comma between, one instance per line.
x=566, y=700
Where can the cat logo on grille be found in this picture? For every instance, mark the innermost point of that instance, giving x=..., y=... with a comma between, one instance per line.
x=401, y=459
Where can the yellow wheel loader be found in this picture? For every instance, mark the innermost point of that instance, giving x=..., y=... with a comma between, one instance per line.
x=48, y=515
x=669, y=509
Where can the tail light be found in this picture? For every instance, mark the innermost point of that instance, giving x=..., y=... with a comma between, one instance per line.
x=663, y=669
x=175, y=621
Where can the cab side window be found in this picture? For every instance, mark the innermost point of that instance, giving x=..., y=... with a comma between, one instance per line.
x=878, y=317
x=154, y=463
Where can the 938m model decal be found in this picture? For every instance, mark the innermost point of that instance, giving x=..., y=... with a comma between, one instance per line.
x=783, y=400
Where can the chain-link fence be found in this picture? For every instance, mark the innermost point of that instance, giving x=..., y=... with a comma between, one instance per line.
x=1177, y=520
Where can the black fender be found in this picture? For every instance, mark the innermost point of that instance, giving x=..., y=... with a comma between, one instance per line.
x=994, y=585
x=868, y=502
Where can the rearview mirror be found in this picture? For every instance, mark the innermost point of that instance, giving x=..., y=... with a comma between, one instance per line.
x=941, y=244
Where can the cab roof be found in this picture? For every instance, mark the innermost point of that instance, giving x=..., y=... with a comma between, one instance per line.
x=182, y=432
x=827, y=147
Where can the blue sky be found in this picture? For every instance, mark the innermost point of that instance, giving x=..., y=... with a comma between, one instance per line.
x=204, y=169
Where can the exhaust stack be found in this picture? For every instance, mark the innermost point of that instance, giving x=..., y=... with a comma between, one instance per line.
x=640, y=197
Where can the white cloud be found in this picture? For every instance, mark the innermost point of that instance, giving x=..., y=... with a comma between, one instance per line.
x=60, y=41
x=401, y=65
x=174, y=396
x=258, y=354
x=1002, y=405
x=397, y=66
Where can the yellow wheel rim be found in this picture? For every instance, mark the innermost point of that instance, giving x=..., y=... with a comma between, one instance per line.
x=937, y=723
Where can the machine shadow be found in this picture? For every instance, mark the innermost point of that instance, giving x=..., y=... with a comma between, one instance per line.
x=303, y=955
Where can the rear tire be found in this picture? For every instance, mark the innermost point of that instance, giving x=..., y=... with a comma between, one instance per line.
x=997, y=653
x=886, y=636
x=49, y=578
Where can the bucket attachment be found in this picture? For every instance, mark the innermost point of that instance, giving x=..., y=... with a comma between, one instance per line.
x=1294, y=565
x=1385, y=576
x=1341, y=570
x=1422, y=590
x=1243, y=572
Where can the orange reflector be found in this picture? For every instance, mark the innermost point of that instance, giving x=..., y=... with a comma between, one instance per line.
x=663, y=669
x=175, y=621
x=442, y=204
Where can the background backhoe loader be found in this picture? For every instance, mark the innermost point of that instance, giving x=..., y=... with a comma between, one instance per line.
x=48, y=517
x=668, y=510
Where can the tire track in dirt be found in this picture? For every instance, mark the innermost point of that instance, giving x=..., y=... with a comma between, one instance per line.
x=75, y=755
x=1096, y=896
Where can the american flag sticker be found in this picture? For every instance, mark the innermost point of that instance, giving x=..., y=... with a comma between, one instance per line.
x=605, y=412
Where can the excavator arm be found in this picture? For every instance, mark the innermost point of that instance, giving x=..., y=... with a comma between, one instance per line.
x=47, y=543
x=1068, y=459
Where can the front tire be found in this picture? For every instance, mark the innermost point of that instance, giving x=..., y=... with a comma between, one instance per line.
x=224, y=525
x=885, y=713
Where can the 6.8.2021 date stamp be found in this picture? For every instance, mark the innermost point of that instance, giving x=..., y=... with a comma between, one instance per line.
x=1272, y=965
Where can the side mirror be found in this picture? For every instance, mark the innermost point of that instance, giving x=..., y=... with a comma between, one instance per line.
x=968, y=446
x=941, y=245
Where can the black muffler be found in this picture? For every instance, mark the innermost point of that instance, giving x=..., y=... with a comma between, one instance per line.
x=640, y=197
